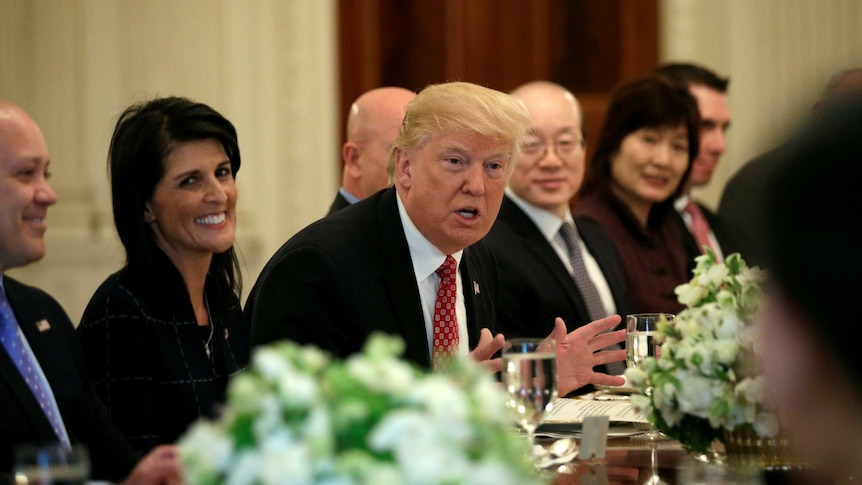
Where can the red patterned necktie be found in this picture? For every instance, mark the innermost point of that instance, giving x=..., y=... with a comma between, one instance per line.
x=699, y=226
x=445, y=318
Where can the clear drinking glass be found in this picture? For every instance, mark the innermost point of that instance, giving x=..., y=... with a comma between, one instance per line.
x=640, y=344
x=52, y=465
x=530, y=377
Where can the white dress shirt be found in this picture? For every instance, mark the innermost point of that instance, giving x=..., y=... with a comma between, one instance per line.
x=680, y=204
x=549, y=225
x=426, y=259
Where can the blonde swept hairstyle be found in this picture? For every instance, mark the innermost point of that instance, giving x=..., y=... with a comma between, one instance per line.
x=461, y=108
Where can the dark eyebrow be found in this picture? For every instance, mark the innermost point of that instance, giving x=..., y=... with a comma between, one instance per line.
x=185, y=175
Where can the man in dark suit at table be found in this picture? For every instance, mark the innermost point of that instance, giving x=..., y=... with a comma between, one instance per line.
x=372, y=124
x=39, y=351
x=551, y=264
x=395, y=261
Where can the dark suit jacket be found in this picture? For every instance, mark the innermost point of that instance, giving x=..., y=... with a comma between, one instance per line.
x=338, y=203
x=59, y=354
x=743, y=201
x=535, y=286
x=350, y=274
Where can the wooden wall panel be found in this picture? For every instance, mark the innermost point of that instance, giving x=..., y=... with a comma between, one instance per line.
x=588, y=46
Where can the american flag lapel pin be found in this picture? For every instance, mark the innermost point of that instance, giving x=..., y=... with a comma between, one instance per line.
x=43, y=325
x=475, y=288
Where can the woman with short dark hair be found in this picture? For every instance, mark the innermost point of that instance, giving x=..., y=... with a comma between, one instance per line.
x=162, y=335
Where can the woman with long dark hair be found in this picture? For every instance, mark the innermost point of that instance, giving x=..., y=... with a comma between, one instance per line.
x=162, y=335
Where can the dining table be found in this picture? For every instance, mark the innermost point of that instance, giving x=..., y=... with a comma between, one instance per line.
x=629, y=458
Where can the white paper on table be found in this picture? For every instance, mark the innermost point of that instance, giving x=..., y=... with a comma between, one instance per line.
x=573, y=411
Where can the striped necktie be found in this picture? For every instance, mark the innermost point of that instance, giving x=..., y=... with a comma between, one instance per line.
x=586, y=288
x=21, y=354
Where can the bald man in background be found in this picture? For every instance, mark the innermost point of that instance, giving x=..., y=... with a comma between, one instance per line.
x=540, y=278
x=372, y=125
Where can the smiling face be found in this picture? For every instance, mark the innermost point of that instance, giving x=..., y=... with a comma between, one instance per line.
x=648, y=167
x=24, y=191
x=452, y=187
x=714, y=123
x=193, y=208
x=550, y=169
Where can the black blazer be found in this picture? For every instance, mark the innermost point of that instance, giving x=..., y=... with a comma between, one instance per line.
x=350, y=274
x=338, y=203
x=535, y=286
x=59, y=354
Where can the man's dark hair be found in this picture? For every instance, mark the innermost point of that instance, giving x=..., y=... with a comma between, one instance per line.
x=688, y=74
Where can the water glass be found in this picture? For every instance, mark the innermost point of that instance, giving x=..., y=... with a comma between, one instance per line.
x=530, y=378
x=640, y=336
x=51, y=465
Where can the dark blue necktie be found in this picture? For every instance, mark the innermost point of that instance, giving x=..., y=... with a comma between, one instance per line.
x=19, y=351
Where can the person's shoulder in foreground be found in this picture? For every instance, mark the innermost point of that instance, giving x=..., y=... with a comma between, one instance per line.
x=811, y=230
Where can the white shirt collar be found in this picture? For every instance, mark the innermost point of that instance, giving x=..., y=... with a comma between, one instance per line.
x=549, y=224
x=426, y=257
x=681, y=202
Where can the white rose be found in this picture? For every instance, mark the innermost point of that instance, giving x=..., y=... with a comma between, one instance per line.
x=726, y=351
x=690, y=295
x=244, y=470
x=284, y=461
x=635, y=376
x=766, y=424
x=382, y=474
x=298, y=389
x=695, y=395
x=441, y=397
x=271, y=364
x=206, y=446
x=714, y=276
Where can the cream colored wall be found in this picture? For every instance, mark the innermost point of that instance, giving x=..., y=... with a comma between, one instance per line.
x=779, y=55
x=268, y=65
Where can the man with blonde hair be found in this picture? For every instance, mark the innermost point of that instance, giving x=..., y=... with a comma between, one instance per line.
x=372, y=123
x=409, y=261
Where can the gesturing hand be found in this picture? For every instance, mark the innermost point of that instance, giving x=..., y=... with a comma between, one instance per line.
x=581, y=350
x=161, y=466
x=488, y=345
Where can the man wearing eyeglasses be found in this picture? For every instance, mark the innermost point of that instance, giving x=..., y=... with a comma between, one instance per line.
x=551, y=264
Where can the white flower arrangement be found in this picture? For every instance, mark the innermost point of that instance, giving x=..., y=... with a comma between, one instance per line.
x=704, y=380
x=297, y=416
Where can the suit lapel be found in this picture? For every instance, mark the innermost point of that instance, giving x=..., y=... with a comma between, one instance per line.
x=403, y=298
x=472, y=292
x=536, y=244
x=9, y=373
x=602, y=249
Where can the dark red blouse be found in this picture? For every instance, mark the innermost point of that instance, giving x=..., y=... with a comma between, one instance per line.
x=655, y=258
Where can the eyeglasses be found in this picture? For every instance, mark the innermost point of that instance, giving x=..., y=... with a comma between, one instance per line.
x=538, y=149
